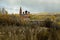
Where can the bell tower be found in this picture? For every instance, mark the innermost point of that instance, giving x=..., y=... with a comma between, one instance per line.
x=20, y=12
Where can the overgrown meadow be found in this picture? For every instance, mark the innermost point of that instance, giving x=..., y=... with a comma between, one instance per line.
x=39, y=27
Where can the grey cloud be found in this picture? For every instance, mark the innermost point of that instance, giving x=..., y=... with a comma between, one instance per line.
x=41, y=6
x=34, y=5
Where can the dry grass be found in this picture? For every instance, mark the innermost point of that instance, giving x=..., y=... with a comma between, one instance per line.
x=28, y=33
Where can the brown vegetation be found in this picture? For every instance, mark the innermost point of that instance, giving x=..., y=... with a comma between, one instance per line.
x=12, y=27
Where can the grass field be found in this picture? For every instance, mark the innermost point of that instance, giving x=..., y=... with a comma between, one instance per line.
x=14, y=27
x=28, y=33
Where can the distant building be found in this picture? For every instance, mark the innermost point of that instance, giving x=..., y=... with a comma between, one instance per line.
x=0, y=10
x=20, y=12
x=28, y=12
x=3, y=11
x=24, y=14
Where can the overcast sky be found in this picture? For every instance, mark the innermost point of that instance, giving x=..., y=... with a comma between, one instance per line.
x=31, y=5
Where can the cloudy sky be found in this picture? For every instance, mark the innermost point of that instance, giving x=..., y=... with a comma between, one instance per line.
x=31, y=5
